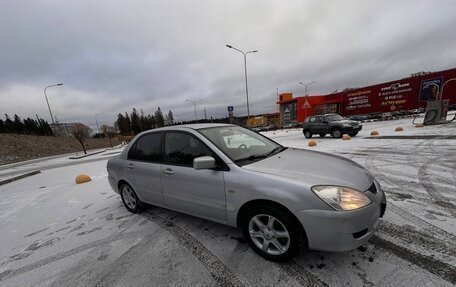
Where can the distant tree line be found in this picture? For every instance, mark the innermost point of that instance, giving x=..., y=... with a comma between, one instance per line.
x=134, y=123
x=27, y=126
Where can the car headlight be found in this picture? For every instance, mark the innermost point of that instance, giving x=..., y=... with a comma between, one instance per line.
x=341, y=198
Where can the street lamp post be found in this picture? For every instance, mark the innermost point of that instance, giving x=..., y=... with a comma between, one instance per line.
x=194, y=106
x=245, y=74
x=96, y=120
x=47, y=101
x=306, y=95
x=307, y=85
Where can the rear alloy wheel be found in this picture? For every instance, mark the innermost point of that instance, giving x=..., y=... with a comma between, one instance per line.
x=130, y=199
x=336, y=133
x=271, y=233
x=307, y=134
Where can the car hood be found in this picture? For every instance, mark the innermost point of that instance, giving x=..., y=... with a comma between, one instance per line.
x=315, y=168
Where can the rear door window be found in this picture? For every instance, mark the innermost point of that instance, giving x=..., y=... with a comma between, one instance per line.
x=147, y=148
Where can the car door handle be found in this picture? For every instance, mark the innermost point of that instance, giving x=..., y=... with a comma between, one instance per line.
x=130, y=166
x=168, y=171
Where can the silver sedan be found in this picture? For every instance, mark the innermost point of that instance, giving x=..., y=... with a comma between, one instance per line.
x=282, y=198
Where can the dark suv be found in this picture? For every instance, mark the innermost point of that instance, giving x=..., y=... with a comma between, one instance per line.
x=332, y=124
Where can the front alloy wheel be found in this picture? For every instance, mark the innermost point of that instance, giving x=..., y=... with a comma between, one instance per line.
x=271, y=232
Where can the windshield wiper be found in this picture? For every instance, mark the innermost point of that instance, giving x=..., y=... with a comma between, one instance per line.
x=252, y=157
x=258, y=156
x=281, y=148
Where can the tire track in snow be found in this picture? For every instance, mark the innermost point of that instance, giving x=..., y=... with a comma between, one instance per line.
x=426, y=177
x=416, y=238
x=15, y=272
x=373, y=167
x=218, y=270
x=370, y=163
x=434, y=266
x=427, y=151
x=436, y=231
x=300, y=274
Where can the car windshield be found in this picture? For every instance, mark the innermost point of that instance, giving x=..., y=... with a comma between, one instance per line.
x=241, y=145
x=333, y=118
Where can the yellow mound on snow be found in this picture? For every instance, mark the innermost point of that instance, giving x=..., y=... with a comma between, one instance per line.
x=82, y=178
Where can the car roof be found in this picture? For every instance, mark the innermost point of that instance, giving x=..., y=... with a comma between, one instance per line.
x=189, y=126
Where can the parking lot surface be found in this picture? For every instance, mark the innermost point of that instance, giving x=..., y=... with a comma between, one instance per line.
x=56, y=233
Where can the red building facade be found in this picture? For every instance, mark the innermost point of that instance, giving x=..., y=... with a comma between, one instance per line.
x=399, y=95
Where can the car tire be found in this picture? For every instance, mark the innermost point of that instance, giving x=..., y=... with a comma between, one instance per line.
x=130, y=199
x=271, y=232
x=322, y=135
x=307, y=134
x=336, y=133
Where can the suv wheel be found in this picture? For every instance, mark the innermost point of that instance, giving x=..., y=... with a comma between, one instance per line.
x=335, y=133
x=271, y=233
x=307, y=134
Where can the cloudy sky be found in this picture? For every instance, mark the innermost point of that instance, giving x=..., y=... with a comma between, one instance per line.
x=115, y=55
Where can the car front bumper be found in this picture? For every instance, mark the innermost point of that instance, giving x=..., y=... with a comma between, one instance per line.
x=330, y=230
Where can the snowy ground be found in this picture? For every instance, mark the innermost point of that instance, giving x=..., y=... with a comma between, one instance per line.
x=56, y=233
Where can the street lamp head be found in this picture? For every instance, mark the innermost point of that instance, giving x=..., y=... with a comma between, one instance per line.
x=61, y=84
x=229, y=46
x=256, y=51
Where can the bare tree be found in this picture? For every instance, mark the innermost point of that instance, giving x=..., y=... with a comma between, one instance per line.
x=109, y=132
x=81, y=132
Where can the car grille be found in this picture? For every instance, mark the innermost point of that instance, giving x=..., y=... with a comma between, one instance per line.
x=373, y=188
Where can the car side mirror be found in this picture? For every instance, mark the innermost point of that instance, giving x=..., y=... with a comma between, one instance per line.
x=204, y=162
